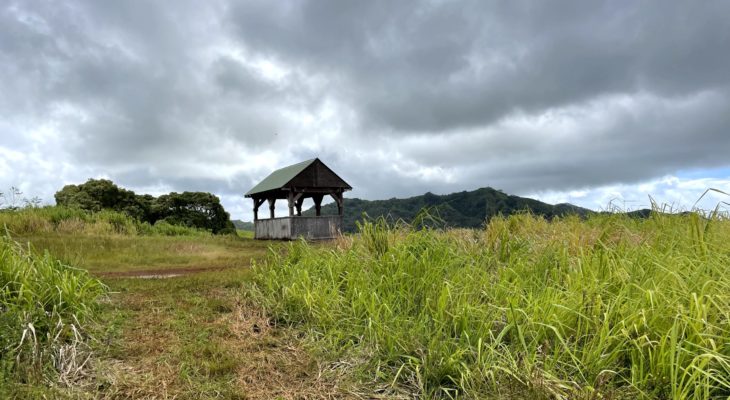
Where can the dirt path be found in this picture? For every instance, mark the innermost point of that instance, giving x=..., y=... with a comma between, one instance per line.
x=161, y=272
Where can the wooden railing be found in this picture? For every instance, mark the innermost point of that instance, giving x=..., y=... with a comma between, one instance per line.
x=288, y=228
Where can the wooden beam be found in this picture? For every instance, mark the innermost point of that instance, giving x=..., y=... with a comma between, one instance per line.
x=256, y=204
x=339, y=199
x=317, y=204
x=295, y=201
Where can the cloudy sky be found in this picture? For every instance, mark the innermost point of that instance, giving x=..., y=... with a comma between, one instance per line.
x=576, y=101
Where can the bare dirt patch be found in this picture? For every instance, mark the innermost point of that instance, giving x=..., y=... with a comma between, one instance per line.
x=160, y=272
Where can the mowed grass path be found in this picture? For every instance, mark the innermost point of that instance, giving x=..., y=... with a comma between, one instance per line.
x=190, y=336
x=194, y=337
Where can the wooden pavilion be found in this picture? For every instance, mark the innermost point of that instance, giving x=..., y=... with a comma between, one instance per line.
x=307, y=179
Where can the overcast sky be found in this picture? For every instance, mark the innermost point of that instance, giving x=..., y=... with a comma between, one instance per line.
x=576, y=101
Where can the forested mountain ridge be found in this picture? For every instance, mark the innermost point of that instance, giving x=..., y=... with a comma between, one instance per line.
x=462, y=209
x=243, y=225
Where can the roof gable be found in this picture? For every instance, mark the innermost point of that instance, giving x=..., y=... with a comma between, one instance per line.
x=280, y=177
x=294, y=174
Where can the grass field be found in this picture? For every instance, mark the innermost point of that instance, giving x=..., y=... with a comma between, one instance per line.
x=176, y=322
x=195, y=337
x=609, y=307
x=117, y=254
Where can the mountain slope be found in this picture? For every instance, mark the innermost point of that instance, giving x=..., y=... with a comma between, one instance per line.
x=242, y=225
x=462, y=209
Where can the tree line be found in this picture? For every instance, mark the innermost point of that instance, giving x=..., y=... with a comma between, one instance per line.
x=193, y=209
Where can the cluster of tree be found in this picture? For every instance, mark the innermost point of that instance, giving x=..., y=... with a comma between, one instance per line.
x=193, y=209
x=462, y=209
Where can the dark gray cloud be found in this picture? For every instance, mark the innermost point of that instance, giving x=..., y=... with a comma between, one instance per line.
x=435, y=66
x=400, y=97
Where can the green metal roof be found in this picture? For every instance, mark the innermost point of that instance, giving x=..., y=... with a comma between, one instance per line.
x=280, y=177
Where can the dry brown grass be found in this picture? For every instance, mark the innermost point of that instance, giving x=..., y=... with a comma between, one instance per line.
x=198, y=337
x=276, y=365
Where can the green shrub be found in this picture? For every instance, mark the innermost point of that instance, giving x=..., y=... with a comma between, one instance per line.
x=163, y=228
x=120, y=223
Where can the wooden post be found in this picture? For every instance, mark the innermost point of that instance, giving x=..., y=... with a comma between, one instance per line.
x=272, y=206
x=340, y=204
x=290, y=201
x=317, y=204
x=300, y=201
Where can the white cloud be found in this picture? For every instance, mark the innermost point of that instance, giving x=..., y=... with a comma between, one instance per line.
x=676, y=193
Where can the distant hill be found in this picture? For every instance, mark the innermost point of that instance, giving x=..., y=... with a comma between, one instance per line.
x=242, y=225
x=462, y=209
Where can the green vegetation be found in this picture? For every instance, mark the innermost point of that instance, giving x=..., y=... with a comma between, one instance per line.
x=193, y=209
x=45, y=306
x=608, y=307
x=176, y=323
x=197, y=337
x=248, y=234
x=113, y=242
x=181, y=326
x=73, y=221
x=136, y=254
x=461, y=210
x=243, y=225
x=190, y=209
x=101, y=194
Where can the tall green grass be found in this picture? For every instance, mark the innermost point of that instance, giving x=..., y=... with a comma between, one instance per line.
x=44, y=308
x=56, y=219
x=605, y=307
